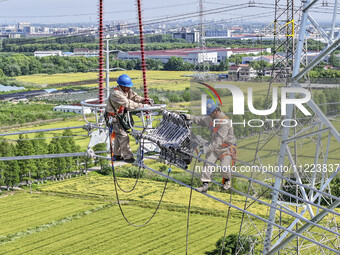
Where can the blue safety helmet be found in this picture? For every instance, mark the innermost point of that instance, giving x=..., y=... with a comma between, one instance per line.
x=211, y=106
x=125, y=80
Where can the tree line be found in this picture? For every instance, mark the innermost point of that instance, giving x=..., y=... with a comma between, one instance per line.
x=20, y=64
x=14, y=172
x=69, y=47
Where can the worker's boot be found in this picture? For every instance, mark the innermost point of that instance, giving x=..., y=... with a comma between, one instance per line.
x=204, y=187
x=117, y=157
x=227, y=184
x=130, y=160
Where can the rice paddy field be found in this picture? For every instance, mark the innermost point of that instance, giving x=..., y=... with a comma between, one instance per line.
x=79, y=216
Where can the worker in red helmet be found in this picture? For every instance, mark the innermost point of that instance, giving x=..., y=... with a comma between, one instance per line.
x=123, y=99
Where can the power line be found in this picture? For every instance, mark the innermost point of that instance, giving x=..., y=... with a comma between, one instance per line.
x=41, y=138
x=90, y=14
x=41, y=130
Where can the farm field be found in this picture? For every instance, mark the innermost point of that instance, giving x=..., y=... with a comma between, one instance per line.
x=96, y=226
x=79, y=216
x=166, y=80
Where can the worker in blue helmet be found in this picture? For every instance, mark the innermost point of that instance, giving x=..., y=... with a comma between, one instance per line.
x=123, y=98
x=221, y=146
x=211, y=106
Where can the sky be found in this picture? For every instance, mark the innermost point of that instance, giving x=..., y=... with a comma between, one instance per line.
x=74, y=11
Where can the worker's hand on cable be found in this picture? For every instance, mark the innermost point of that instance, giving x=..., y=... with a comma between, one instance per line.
x=185, y=115
x=149, y=101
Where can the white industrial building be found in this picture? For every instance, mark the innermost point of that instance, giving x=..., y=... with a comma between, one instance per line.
x=217, y=33
x=189, y=55
x=72, y=108
x=192, y=55
x=47, y=53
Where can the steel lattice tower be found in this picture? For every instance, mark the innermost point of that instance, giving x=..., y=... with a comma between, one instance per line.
x=316, y=133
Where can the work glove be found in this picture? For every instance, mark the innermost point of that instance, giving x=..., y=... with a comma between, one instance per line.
x=185, y=116
x=149, y=101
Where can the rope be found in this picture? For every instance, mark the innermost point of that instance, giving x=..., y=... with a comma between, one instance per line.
x=116, y=191
x=138, y=176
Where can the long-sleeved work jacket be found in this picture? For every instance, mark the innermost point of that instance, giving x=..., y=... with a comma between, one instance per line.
x=118, y=99
x=221, y=134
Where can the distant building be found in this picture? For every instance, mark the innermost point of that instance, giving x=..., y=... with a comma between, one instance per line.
x=72, y=108
x=192, y=55
x=48, y=53
x=190, y=37
x=278, y=74
x=22, y=25
x=267, y=58
x=218, y=33
x=85, y=52
x=121, y=27
x=241, y=73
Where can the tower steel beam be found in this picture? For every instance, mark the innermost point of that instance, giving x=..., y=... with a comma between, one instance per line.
x=285, y=134
x=304, y=228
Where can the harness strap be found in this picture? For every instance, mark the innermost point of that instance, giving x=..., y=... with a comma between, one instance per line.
x=215, y=129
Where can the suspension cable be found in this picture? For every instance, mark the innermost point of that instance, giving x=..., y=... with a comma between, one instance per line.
x=117, y=196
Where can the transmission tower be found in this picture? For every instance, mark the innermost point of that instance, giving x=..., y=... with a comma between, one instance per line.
x=202, y=59
x=313, y=134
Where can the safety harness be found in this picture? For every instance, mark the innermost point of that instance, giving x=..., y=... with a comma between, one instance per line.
x=125, y=120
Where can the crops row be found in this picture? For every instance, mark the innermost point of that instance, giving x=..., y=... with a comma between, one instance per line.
x=106, y=232
x=13, y=237
x=39, y=209
x=147, y=193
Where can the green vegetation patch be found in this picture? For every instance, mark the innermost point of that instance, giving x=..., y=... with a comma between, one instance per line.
x=23, y=211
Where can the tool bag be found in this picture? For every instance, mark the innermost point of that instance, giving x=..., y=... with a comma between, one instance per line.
x=125, y=120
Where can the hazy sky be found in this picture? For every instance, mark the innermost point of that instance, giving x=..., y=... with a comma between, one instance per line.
x=65, y=11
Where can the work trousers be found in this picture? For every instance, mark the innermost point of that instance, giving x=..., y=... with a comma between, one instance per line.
x=121, y=146
x=225, y=163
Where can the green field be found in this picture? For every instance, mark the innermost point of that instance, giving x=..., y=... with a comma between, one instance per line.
x=162, y=80
x=78, y=216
